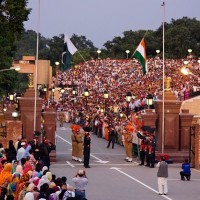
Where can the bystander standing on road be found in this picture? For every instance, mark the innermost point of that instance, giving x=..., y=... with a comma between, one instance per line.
x=162, y=175
x=80, y=182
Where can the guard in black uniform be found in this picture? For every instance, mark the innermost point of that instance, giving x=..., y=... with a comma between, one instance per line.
x=86, y=147
x=152, y=150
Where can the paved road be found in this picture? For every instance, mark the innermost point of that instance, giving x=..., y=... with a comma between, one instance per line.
x=111, y=178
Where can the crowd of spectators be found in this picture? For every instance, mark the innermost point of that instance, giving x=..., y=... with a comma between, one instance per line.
x=29, y=176
x=25, y=174
x=118, y=77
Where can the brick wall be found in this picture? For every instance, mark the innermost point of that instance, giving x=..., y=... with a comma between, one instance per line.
x=197, y=147
x=13, y=131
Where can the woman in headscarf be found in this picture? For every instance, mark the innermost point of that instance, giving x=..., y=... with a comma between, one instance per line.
x=27, y=166
x=14, y=166
x=6, y=176
x=43, y=191
x=49, y=176
x=12, y=186
x=21, y=185
x=19, y=169
x=11, y=154
x=29, y=192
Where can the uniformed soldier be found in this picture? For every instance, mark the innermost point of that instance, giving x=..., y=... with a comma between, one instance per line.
x=142, y=151
x=74, y=142
x=79, y=139
x=86, y=149
x=147, y=152
x=61, y=117
x=152, y=149
x=128, y=137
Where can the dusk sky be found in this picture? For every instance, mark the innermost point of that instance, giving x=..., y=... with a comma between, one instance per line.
x=102, y=20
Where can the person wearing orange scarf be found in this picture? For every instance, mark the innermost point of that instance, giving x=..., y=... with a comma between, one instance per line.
x=22, y=184
x=6, y=176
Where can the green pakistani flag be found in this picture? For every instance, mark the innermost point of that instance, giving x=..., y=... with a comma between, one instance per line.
x=69, y=49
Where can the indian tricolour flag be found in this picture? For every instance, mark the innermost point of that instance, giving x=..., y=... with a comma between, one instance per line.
x=140, y=54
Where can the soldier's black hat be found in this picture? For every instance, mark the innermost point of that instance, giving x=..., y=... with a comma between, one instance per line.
x=87, y=129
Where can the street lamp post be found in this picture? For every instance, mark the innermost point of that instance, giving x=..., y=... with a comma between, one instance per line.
x=127, y=52
x=45, y=92
x=121, y=114
x=185, y=70
x=86, y=94
x=16, y=68
x=57, y=65
x=62, y=91
x=11, y=97
x=149, y=100
x=98, y=51
x=128, y=99
x=105, y=96
x=15, y=114
x=73, y=93
x=157, y=52
x=190, y=53
x=53, y=91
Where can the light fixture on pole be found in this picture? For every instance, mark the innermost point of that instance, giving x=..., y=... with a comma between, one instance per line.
x=190, y=53
x=62, y=91
x=15, y=114
x=149, y=100
x=127, y=52
x=121, y=114
x=57, y=65
x=105, y=96
x=11, y=97
x=185, y=70
x=45, y=89
x=53, y=91
x=157, y=51
x=86, y=94
x=128, y=99
x=45, y=92
x=73, y=91
x=98, y=51
x=16, y=68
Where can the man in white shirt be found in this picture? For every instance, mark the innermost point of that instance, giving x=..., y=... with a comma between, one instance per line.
x=21, y=151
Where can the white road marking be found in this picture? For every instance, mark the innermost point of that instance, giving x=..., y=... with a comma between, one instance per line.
x=98, y=159
x=70, y=164
x=97, y=164
x=136, y=180
x=63, y=139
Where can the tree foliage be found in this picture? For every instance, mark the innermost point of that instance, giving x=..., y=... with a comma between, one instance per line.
x=180, y=35
x=12, y=15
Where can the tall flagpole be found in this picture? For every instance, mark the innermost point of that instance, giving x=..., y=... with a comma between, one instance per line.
x=36, y=65
x=163, y=103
